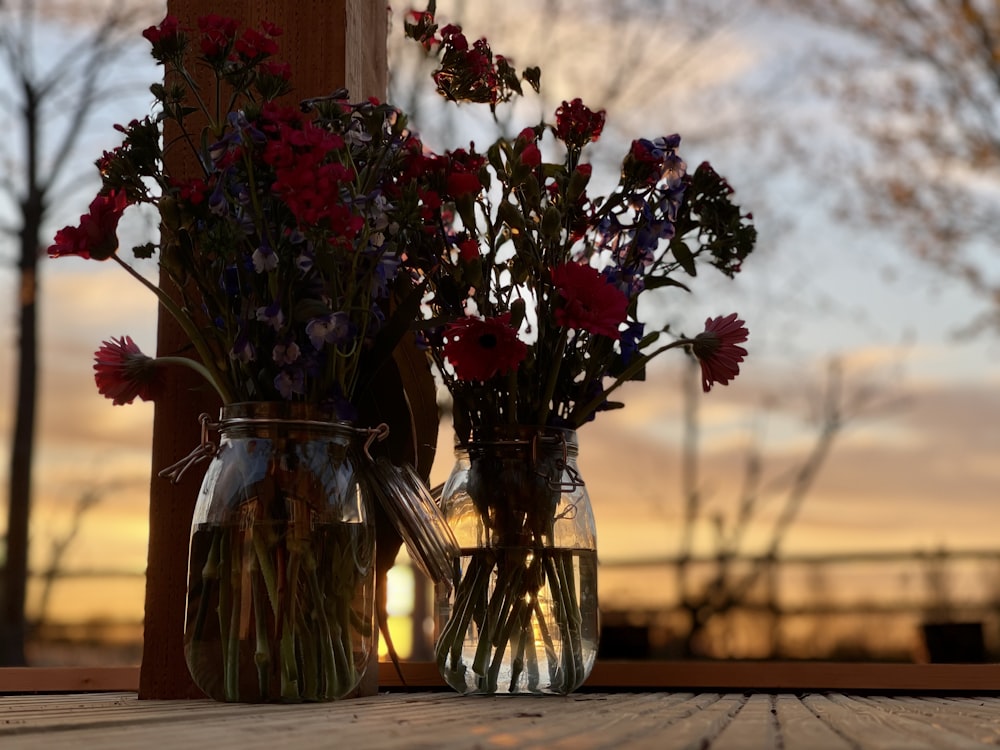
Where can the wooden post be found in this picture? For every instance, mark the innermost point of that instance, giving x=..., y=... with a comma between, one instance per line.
x=329, y=44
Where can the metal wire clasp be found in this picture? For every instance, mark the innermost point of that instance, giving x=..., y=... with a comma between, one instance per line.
x=206, y=449
x=562, y=466
x=380, y=433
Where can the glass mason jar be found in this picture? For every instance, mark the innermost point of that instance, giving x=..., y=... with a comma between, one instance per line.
x=521, y=614
x=281, y=571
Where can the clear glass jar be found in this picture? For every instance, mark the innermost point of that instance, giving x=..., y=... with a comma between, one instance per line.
x=521, y=615
x=281, y=571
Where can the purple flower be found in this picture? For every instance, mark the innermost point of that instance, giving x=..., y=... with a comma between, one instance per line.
x=272, y=315
x=631, y=335
x=264, y=258
x=334, y=328
x=285, y=354
x=289, y=383
x=385, y=272
x=217, y=202
x=242, y=351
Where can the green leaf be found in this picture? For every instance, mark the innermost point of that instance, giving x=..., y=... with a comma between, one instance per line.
x=658, y=282
x=682, y=253
x=533, y=76
x=517, y=312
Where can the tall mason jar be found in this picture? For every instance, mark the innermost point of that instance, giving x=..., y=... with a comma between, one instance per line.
x=281, y=571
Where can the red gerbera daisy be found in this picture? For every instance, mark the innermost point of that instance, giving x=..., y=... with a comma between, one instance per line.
x=479, y=348
x=589, y=302
x=717, y=351
x=123, y=372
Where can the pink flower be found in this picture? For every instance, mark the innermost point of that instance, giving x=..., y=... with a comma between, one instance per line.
x=123, y=372
x=717, y=351
x=480, y=348
x=589, y=302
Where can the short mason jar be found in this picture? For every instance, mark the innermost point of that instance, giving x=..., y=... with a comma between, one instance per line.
x=521, y=615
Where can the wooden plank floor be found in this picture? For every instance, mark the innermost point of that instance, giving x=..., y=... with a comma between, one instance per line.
x=432, y=719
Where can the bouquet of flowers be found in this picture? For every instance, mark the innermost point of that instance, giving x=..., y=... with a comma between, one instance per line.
x=284, y=254
x=284, y=250
x=533, y=319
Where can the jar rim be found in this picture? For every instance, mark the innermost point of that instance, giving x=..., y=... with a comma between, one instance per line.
x=519, y=438
x=285, y=413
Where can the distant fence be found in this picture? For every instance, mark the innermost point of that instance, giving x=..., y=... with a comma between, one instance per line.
x=880, y=605
x=867, y=605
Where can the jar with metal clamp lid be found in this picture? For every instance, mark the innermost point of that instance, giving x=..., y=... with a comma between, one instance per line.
x=281, y=572
x=521, y=614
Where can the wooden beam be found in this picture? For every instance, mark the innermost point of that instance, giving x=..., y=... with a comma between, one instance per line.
x=329, y=44
x=853, y=677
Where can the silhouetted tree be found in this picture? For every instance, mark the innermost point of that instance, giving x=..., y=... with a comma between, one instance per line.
x=920, y=82
x=56, y=61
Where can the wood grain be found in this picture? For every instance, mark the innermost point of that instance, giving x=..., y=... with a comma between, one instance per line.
x=435, y=719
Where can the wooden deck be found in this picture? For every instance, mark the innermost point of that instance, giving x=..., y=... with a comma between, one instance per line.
x=436, y=719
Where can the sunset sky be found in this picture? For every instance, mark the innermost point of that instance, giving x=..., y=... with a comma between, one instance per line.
x=918, y=473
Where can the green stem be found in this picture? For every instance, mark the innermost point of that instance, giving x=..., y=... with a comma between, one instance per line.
x=208, y=371
x=469, y=591
x=232, y=666
x=554, y=370
x=550, y=652
x=262, y=550
x=580, y=413
x=225, y=602
x=209, y=578
x=262, y=653
x=325, y=641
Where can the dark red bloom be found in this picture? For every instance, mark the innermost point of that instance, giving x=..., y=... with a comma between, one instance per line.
x=717, y=351
x=467, y=73
x=97, y=235
x=217, y=36
x=589, y=302
x=420, y=27
x=193, y=190
x=479, y=348
x=463, y=183
x=468, y=250
x=271, y=29
x=531, y=156
x=462, y=172
x=577, y=125
x=123, y=372
x=166, y=38
x=253, y=45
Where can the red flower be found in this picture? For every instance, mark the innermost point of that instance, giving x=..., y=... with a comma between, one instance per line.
x=463, y=183
x=97, y=235
x=589, y=302
x=462, y=170
x=193, y=190
x=717, y=351
x=253, y=45
x=468, y=250
x=271, y=29
x=123, y=372
x=576, y=124
x=480, y=348
x=166, y=38
x=218, y=34
x=531, y=156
